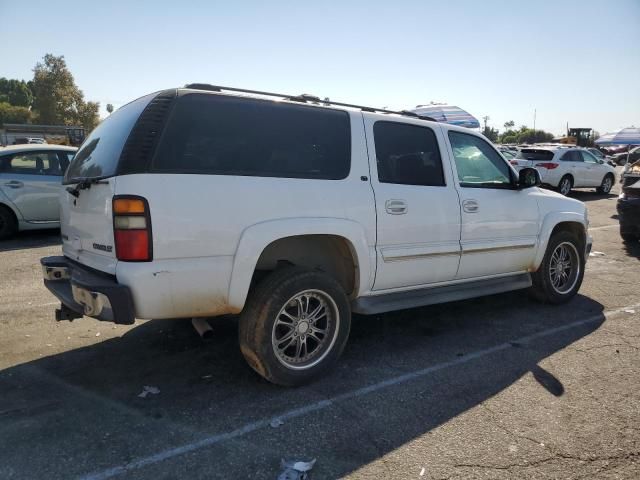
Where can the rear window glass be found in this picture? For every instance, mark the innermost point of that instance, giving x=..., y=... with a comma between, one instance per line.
x=534, y=154
x=99, y=153
x=214, y=134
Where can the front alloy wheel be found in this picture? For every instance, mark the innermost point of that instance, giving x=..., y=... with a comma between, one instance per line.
x=564, y=267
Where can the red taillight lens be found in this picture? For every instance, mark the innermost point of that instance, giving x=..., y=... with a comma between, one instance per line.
x=132, y=229
x=513, y=162
x=547, y=165
x=132, y=245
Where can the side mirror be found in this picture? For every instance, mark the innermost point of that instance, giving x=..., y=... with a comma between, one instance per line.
x=528, y=177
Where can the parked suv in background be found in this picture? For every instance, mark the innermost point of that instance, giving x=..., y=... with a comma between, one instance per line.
x=30, y=184
x=294, y=213
x=566, y=168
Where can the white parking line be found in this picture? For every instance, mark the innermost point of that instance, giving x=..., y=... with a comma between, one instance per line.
x=321, y=405
x=602, y=227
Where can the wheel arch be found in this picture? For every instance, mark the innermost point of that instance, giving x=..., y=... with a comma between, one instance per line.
x=556, y=221
x=261, y=247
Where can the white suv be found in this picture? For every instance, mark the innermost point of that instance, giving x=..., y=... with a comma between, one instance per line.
x=294, y=213
x=566, y=168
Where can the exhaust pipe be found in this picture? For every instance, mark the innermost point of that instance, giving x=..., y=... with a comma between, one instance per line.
x=203, y=328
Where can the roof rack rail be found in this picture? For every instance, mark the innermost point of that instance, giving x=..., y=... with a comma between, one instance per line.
x=304, y=98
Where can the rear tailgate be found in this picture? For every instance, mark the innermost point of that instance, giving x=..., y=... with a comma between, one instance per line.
x=86, y=213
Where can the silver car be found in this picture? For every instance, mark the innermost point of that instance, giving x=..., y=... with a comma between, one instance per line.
x=30, y=183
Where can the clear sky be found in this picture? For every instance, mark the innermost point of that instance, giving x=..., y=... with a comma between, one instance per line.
x=573, y=61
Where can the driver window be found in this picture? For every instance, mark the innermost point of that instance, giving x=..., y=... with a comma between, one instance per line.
x=477, y=163
x=588, y=157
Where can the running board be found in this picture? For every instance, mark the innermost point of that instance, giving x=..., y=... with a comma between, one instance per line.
x=429, y=296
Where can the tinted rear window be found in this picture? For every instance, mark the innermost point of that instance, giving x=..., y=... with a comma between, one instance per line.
x=99, y=153
x=534, y=154
x=214, y=134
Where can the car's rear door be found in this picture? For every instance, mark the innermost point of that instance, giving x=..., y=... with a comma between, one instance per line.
x=418, y=210
x=32, y=181
x=594, y=170
x=573, y=164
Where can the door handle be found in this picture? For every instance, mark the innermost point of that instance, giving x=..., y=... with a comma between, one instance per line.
x=396, y=207
x=14, y=184
x=470, y=206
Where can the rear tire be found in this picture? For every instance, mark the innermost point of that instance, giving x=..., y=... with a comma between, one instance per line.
x=565, y=185
x=8, y=223
x=562, y=269
x=607, y=185
x=294, y=326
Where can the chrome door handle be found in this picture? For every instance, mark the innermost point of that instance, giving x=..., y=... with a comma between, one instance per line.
x=470, y=206
x=14, y=184
x=396, y=207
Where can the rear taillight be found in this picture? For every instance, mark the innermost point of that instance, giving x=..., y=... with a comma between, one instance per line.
x=547, y=165
x=513, y=162
x=132, y=228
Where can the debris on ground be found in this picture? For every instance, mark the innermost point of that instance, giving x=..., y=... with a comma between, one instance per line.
x=276, y=422
x=296, y=469
x=98, y=334
x=629, y=310
x=422, y=472
x=597, y=254
x=146, y=390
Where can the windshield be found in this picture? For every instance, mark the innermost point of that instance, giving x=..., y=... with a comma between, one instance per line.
x=534, y=154
x=99, y=153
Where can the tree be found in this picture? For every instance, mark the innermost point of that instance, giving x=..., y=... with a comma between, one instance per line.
x=57, y=99
x=491, y=133
x=13, y=114
x=509, y=125
x=509, y=139
x=15, y=92
x=109, y=108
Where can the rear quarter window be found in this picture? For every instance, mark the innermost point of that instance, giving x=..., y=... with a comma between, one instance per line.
x=99, y=154
x=214, y=134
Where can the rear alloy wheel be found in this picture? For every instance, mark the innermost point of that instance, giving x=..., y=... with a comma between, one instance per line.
x=565, y=185
x=294, y=326
x=8, y=223
x=607, y=185
x=560, y=275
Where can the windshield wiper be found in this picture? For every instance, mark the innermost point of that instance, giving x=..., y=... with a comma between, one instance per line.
x=84, y=184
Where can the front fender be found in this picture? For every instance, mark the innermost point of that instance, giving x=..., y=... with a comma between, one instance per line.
x=256, y=238
x=548, y=224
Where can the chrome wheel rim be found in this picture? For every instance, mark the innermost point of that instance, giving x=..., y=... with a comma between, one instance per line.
x=606, y=185
x=564, y=267
x=565, y=186
x=305, y=329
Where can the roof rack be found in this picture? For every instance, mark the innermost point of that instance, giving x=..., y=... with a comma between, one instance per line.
x=305, y=98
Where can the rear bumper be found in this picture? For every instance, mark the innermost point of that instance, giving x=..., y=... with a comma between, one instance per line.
x=85, y=291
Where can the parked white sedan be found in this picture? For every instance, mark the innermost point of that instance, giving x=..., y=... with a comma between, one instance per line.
x=566, y=168
x=30, y=183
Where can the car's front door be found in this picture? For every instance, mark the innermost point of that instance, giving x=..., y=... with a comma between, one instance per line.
x=594, y=170
x=32, y=182
x=500, y=223
x=418, y=211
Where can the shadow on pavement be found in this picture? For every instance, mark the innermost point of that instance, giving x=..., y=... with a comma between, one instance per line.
x=31, y=239
x=590, y=195
x=85, y=402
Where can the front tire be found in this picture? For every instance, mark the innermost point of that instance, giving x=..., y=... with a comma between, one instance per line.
x=607, y=185
x=295, y=326
x=560, y=275
x=8, y=223
x=565, y=185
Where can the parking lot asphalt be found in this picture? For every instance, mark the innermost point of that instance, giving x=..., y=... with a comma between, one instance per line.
x=493, y=388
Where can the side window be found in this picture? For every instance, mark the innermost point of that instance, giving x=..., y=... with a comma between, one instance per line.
x=571, y=156
x=223, y=135
x=65, y=159
x=477, y=163
x=35, y=163
x=407, y=154
x=588, y=157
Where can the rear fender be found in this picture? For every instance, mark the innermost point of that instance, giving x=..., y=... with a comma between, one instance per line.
x=256, y=238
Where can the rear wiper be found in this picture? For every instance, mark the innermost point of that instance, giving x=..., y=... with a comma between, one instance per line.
x=84, y=184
